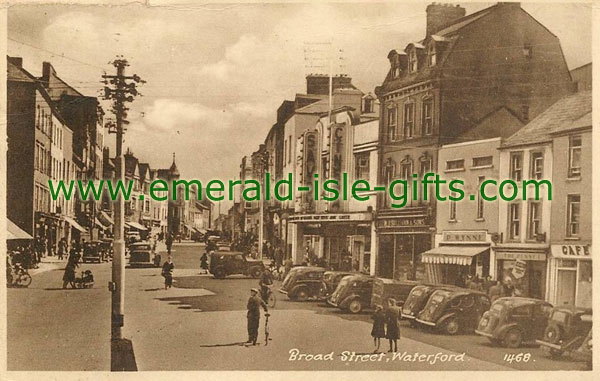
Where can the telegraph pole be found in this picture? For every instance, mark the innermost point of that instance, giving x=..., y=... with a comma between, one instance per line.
x=120, y=92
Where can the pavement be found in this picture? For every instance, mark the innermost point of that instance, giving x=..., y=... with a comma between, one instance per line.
x=200, y=324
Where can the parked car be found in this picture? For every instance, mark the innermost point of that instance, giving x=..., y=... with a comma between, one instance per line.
x=92, y=252
x=454, y=310
x=223, y=263
x=304, y=282
x=223, y=246
x=513, y=321
x=384, y=289
x=142, y=254
x=133, y=236
x=416, y=300
x=353, y=293
x=567, y=329
x=331, y=279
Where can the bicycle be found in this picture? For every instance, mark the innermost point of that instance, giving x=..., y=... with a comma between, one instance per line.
x=21, y=276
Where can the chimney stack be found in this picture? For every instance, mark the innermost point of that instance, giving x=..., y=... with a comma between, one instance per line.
x=440, y=15
x=47, y=71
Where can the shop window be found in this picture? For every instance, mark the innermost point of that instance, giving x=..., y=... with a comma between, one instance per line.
x=427, y=116
x=362, y=166
x=573, y=205
x=516, y=166
x=537, y=165
x=574, y=156
x=514, y=218
x=482, y=161
x=455, y=165
x=409, y=120
x=534, y=220
x=392, y=114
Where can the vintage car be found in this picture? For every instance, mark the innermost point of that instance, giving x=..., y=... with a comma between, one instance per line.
x=223, y=263
x=331, y=279
x=567, y=329
x=454, y=310
x=385, y=289
x=417, y=299
x=142, y=254
x=304, y=282
x=92, y=252
x=513, y=321
x=353, y=293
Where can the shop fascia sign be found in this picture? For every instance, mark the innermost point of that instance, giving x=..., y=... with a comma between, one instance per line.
x=401, y=222
x=464, y=236
x=329, y=217
x=572, y=251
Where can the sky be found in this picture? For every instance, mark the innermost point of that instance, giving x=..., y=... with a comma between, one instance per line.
x=217, y=73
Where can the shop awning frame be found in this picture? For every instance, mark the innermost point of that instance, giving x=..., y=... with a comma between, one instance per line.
x=75, y=224
x=135, y=225
x=453, y=254
x=106, y=217
x=15, y=232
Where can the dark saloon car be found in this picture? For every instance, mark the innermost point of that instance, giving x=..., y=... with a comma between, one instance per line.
x=331, y=279
x=417, y=299
x=141, y=254
x=223, y=263
x=567, y=329
x=353, y=293
x=385, y=289
x=304, y=282
x=513, y=321
x=454, y=310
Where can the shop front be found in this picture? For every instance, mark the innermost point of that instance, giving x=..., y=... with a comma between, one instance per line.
x=401, y=240
x=457, y=256
x=339, y=241
x=570, y=272
x=523, y=267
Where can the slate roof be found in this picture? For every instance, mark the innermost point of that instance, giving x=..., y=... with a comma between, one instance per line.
x=562, y=116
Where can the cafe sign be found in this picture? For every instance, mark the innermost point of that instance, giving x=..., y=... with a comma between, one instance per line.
x=572, y=251
x=464, y=236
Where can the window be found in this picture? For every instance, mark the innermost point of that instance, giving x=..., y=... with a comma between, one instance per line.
x=391, y=119
x=516, y=166
x=534, y=220
x=389, y=171
x=362, y=166
x=482, y=161
x=574, y=156
x=409, y=119
x=573, y=205
x=480, y=203
x=425, y=165
x=289, y=149
x=132, y=204
x=412, y=61
x=452, y=216
x=427, y=116
x=432, y=55
x=514, y=218
x=406, y=168
x=455, y=165
x=537, y=165
x=527, y=51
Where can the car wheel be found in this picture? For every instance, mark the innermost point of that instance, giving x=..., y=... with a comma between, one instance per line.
x=451, y=326
x=255, y=273
x=355, y=306
x=552, y=334
x=301, y=295
x=219, y=273
x=512, y=338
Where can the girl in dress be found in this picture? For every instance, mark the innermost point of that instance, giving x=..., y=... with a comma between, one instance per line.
x=392, y=329
x=378, y=330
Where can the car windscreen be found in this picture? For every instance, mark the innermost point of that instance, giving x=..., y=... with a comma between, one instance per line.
x=560, y=316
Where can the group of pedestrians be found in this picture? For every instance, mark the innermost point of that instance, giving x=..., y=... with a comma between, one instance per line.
x=385, y=325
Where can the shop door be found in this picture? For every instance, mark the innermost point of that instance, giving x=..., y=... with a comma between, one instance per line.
x=566, y=287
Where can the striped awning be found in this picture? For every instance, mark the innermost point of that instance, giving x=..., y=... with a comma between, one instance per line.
x=453, y=254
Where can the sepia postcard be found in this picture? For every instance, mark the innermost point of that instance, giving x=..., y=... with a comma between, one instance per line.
x=298, y=190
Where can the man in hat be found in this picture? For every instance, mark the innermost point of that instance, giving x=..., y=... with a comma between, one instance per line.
x=254, y=305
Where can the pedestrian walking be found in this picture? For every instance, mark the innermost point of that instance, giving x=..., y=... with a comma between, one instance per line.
x=253, y=315
x=392, y=332
x=204, y=262
x=69, y=275
x=167, y=272
x=62, y=248
x=378, y=330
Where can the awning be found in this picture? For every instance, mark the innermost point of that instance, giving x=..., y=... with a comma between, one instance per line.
x=135, y=225
x=74, y=224
x=189, y=227
x=453, y=255
x=99, y=224
x=15, y=232
x=104, y=216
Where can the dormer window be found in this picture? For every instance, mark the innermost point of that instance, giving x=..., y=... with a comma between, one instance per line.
x=412, y=61
x=431, y=55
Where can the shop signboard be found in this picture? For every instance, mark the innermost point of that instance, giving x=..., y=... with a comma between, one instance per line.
x=519, y=269
x=571, y=251
x=464, y=236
